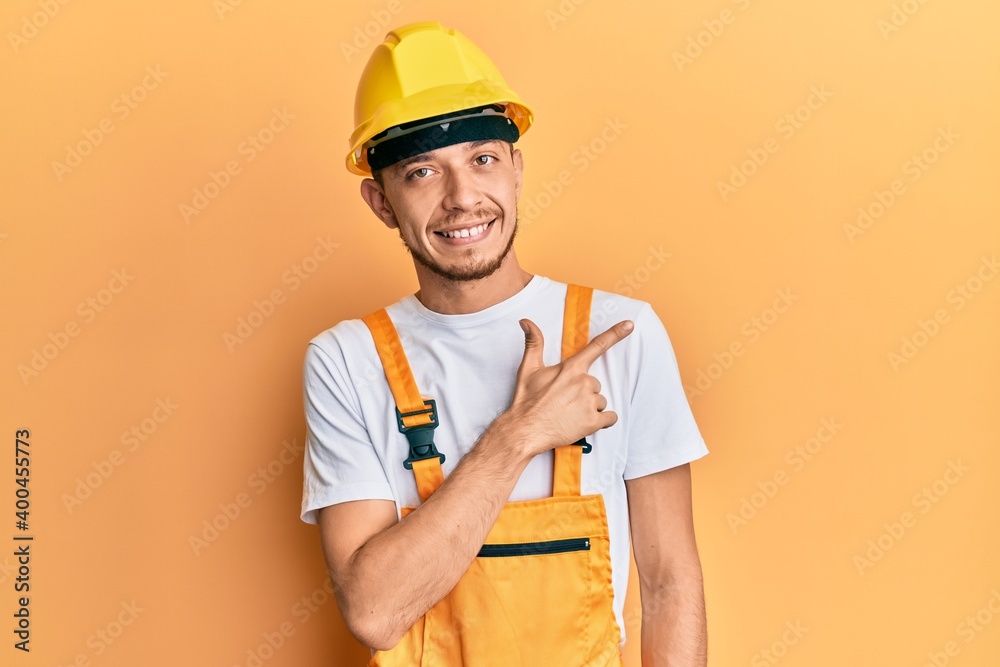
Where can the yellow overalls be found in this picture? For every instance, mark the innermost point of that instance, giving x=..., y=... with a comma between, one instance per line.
x=539, y=592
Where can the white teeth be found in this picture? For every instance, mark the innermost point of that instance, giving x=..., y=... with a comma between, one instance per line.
x=463, y=233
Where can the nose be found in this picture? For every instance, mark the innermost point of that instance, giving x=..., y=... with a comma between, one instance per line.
x=462, y=193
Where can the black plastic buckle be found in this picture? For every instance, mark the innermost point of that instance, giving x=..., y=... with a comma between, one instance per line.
x=421, y=437
x=586, y=445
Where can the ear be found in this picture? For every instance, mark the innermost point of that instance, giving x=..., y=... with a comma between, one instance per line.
x=374, y=196
x=518, y=171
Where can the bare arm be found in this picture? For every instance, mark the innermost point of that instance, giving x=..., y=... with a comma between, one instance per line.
x=674, y=630
x=400, y=570
x=387, y=575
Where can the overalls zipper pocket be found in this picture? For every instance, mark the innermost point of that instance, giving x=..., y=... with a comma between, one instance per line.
x=534, y=548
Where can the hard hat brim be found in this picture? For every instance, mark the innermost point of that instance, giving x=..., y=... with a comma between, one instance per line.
x=434, y=102
x=410, y=139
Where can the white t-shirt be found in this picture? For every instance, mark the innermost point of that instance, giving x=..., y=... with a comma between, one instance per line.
x=468, y=364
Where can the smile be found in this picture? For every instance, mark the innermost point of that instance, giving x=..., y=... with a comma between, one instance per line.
x=467, y=232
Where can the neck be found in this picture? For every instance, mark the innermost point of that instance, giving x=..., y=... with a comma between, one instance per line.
x=456, y=297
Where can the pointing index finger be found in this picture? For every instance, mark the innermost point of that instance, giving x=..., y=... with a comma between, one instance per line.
x=602, y=342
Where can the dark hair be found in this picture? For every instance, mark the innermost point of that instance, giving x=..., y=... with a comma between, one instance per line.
x=377, y=174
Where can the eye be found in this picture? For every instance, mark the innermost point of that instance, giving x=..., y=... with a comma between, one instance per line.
x=413, y=174
x=480, y=157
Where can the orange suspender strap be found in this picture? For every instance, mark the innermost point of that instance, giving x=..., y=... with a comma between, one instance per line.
x=415, y=418
x=576, y=334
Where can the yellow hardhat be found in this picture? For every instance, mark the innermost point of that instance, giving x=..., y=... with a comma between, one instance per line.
x=421, y=71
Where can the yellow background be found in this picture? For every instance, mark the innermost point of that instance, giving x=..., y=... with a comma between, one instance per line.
x=684, y=95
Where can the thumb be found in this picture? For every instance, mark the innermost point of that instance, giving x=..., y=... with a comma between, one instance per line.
x=533, y=346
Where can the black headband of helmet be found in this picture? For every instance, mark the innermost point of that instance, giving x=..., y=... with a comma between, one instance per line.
x=403, y=141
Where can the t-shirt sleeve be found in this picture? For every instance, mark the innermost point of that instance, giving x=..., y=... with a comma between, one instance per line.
x=662, y=430
x=340, y=462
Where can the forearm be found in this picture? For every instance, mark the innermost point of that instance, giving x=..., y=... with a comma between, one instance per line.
x=402, y=572
x=674, y=632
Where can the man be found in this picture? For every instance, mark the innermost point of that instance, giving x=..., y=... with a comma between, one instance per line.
x=474, y=493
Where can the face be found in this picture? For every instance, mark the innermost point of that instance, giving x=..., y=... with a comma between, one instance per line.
x=468, y=191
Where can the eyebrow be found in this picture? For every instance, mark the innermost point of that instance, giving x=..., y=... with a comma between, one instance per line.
x=403, y=164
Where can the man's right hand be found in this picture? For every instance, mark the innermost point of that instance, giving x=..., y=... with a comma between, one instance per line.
x=561, y=403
